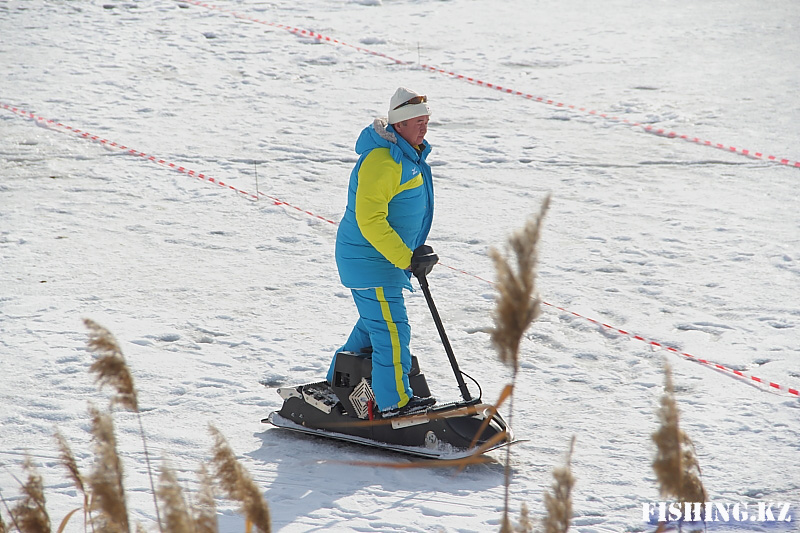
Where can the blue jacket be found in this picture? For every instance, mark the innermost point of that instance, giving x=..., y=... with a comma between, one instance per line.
x=389, y=210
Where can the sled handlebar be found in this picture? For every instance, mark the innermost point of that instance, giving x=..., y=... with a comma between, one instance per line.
x=423, y=283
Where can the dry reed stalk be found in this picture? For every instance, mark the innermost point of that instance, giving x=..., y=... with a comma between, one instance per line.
x=525, y=524
x=559, y=504
x=176, y=513
x=476, y=458
x=106, y=479
x=675, y=465
x=30, y=513
x=517, y=306
x=68, y=460
x=238, y=484
x=505, y=394
x=5, y=504
x=112, y=369
x=205, y=511
x=110, y=366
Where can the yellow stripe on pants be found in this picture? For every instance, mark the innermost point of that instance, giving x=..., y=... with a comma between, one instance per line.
x=398, y=366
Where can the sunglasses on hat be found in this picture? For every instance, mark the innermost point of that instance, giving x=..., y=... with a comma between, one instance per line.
x=413, y=101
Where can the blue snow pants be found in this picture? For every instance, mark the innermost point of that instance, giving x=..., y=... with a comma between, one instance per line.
x=383, y=325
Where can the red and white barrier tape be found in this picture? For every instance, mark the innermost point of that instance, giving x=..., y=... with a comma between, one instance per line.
x=276, y=201
x=716, y=366
x=661, y=132
x=752, y=379
x=183, y=170
x=647, y=128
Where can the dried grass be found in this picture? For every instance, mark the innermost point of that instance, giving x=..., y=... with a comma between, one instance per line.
x=68, y=460
x=238, y=484
x=106, y=478
x=110, y=366
x=675, y=465
x=176, y=513
x=11, y=516
x=525, y=524
x=205, y=510
x=111, y=369
x=518, y=305
x=505, y=394
x=476, y=458
x=559, y=503
x=30, y=513
x=107, y=511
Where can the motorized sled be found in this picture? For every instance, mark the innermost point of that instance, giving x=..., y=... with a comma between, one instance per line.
x=345, y=409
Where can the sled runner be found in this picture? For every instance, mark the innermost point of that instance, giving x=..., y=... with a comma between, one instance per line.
x=345, y=410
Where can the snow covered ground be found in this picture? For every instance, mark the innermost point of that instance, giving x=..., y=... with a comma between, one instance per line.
x=210, y=292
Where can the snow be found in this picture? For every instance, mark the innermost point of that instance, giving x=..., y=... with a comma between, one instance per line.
x=210, y=292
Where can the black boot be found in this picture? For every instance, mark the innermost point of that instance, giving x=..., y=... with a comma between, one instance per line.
x=414, y=405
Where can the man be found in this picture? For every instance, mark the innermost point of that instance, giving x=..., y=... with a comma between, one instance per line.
x=381, y=240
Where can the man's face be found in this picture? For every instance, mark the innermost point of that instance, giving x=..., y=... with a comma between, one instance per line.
x=413, y=130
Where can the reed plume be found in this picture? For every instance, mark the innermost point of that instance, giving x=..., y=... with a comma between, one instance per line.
x=68, y=460
x=110, y=366
x=30, y=513
x=517, y=306
x=112, y=369
x=11, y=516
x=238, y=484
x=205, y=510
x=559, y=503
x=106, y=479
x=675, y=465
x=176, y=513
x=525, y=524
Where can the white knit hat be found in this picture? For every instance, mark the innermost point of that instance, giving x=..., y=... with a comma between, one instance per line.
x=400, y=110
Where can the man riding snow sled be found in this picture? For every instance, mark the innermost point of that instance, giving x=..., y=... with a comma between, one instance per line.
x=381, y=242
x=375, y=393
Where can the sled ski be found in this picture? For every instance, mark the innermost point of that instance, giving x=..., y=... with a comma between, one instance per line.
x=345, y=409
x=431, y=449
x=440, y=432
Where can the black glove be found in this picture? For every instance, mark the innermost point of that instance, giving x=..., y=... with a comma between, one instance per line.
x=422, y=261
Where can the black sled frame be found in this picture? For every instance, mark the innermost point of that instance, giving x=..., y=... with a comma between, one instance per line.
x=343, y=410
